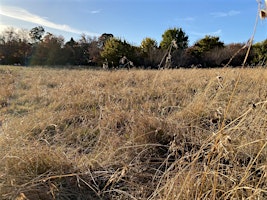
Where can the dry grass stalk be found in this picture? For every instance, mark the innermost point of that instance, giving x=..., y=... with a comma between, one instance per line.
x=172, y=134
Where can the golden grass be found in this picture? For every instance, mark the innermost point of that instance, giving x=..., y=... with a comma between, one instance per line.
x=172, y=134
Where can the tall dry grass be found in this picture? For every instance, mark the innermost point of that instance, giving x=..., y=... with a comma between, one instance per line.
x=174, y=134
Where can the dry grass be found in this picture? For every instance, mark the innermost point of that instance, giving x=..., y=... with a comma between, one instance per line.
x=174, y=134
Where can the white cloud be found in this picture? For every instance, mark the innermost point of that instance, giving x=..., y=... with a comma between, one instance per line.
x=218, y=32
x=225, y=14
x=95, y=11
x=24, y=15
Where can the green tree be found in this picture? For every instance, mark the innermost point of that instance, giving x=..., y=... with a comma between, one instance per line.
x=208, y=43
x=176, y=34
x=260, y=52
x=148, y=44
x=207, y=51
x=150, y=53
x=115, y=49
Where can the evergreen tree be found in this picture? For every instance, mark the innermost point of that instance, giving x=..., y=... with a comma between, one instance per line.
x=176, y=34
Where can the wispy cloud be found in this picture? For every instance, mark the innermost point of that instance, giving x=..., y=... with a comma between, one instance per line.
x=95, y=11
x=218, y=32
x=24, y=15
x=225, y=14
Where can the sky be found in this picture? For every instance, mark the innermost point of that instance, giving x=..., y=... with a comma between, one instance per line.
x=133, y=20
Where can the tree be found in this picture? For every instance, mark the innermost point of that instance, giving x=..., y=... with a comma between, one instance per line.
x=174, y=42
x=83, y=55
x=115, y=49
x=37, y=33
x=260, y=52
x=8, y=42
x=103, y=39
x=148, y=44
x=84, y=52
x=94, y=52
x=150, y=52
x=71, y=50
x=234, y=54
x=49, y=51
x=207, y=51
x=14, y=46
x=176, y=34
x=208, y=43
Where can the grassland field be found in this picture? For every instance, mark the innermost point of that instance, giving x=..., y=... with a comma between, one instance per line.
x=137, y=134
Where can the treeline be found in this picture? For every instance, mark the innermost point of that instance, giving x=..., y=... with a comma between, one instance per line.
x=35, y=47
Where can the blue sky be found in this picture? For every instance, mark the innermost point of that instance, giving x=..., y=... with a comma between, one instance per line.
x=133, y=20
